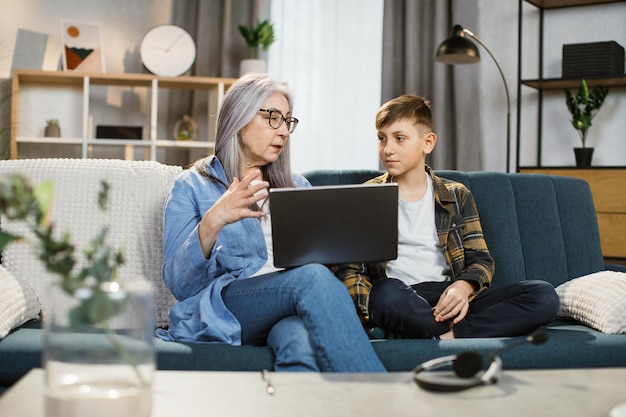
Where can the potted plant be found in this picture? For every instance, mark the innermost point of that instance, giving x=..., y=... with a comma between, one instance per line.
x=52, y=129
x=583, y=107
x=257, y=37
x=98, y=327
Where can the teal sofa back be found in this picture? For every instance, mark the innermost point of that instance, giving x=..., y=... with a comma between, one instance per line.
x=536, y=226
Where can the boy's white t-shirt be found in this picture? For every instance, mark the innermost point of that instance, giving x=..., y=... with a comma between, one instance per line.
x=420, y=256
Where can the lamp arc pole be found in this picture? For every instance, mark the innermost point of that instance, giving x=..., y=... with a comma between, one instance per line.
x=459, y=50
x=508, y=99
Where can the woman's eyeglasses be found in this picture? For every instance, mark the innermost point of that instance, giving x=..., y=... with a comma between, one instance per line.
x=276, y=120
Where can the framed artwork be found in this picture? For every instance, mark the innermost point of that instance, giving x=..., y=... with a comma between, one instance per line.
x=82, y=50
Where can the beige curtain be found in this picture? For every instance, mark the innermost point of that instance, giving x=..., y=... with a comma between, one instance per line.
x=412, y=31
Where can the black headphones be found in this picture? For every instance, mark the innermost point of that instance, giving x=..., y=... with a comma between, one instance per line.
x=465, y=367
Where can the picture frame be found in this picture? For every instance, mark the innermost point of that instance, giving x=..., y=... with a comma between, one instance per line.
x=82, y=48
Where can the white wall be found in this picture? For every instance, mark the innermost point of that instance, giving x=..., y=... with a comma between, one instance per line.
x=122, y=25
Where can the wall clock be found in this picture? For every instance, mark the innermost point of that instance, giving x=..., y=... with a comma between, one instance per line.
x=167, y=50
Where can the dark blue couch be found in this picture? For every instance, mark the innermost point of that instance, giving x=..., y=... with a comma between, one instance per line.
x=536, y=226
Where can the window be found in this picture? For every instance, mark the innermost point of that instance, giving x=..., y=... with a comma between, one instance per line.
x=330, y=54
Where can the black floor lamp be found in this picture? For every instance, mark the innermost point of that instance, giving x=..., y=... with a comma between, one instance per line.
x=457, y=49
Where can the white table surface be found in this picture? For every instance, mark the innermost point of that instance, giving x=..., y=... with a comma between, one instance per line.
x=582, y=392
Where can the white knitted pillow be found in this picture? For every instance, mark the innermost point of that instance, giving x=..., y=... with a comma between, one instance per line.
x=138, y=190
x=597, y=300
x=18, y=302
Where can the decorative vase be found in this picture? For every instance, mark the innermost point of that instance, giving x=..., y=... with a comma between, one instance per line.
x=186, y=128
x=251, y=66
x=583, y=157
x=53, y=131
x=103, y=366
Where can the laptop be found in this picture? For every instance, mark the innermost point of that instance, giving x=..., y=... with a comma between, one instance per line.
x=334, y=224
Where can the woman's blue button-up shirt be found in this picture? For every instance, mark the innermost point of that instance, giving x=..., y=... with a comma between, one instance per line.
x=197, y=282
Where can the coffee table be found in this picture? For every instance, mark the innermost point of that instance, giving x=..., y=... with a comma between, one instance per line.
x=572, y=392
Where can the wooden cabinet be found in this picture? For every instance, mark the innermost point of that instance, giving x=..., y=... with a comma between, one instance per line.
x=608, y=187
x=83, y=84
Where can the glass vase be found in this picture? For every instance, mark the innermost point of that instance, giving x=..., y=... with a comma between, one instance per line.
x=98, y=350
x=186, y=128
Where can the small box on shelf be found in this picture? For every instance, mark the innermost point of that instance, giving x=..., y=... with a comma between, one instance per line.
x=593, y=60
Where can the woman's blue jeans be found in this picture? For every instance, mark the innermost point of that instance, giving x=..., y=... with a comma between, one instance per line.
x=306, y=316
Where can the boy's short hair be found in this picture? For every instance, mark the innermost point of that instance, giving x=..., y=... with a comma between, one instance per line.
x=409, y=107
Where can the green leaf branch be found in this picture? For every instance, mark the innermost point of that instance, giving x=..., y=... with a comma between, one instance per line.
x=20, y=201
x=584, y=106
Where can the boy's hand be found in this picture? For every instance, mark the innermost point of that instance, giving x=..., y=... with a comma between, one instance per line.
x=454, y=302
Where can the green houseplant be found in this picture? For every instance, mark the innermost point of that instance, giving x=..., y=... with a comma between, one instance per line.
x=97, y=328
x=259, y=36
x=52, y=130
x=583, y=107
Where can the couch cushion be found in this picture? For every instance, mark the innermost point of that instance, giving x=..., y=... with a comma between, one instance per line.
x=597, y=300
x=340, y=176
x=20, y=351
x=135, y=216
x=569, y=345
x=18, y=302
x=496, y=205
x=553, y=238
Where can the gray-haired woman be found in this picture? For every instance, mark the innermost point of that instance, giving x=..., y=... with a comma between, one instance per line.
x=218, y=249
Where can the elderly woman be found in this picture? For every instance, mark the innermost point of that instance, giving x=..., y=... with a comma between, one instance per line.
x=218, y=247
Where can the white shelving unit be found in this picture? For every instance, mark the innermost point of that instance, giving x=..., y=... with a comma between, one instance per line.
x=33, y=80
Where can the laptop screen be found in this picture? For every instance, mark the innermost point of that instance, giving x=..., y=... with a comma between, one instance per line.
x=334, y=224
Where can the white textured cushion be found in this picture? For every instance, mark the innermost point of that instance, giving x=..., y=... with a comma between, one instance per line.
x=597, y=300
x=18, y=302
x=134, y=214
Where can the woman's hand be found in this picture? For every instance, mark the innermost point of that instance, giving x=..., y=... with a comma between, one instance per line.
x=454, y=302
x=231, y=207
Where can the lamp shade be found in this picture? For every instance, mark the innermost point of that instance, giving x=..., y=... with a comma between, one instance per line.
x=457, y=49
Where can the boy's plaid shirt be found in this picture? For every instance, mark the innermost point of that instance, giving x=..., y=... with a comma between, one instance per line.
x=460, y=237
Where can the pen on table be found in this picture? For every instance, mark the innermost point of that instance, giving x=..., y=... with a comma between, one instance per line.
x=269, y=387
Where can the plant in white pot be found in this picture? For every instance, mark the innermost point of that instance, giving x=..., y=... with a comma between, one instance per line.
x=584, y=106
x=98, y=349
x=259, y=37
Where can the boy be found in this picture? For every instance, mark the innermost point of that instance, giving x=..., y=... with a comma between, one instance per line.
x=438, y=285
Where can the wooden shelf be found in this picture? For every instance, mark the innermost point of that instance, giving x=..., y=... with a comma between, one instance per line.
x=215, y=87
x=555, y=4
x=36, y=77
x=557, y=83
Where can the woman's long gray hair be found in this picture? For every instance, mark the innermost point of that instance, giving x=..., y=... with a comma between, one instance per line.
x=241, y=103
